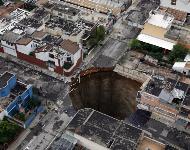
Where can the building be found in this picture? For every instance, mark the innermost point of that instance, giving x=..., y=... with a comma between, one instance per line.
x=148, y=143
x=183, y=67
x=72, y=12
x=137, y=17
x=8, y=43
x=63, y=11
x=35, y=21
x=167, y=99
x=93, y=130
x=70, y=22
x=14, y=100
x=10, y=20
x=6, y=10
x=37, y=36
x=182, y=5
x=16, y=40
x=102, y=6
x=179, y=34
x=62, y=59
x=155, y=29
x=8, y=81
x=179, y=16
x=72, y=30
x=32, y=24
x=41, y=15
x=96, y=131
x=59, y=55
x=25, y=45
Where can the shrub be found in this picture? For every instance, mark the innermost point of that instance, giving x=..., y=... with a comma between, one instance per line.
x=8, y=131
x=135, y=44
x=67, y=65
x=178, y=53
x=96, y=36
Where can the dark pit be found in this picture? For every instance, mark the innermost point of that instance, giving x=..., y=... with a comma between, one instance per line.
x=107, y=92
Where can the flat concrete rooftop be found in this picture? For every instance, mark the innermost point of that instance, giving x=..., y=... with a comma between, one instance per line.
x=155, y=86
x=65, y=9
x=102, y=6
x=40, y=13
x=4, y=78
x=104, y=130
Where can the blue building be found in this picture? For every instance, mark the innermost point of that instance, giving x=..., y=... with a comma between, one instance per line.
x=14, y=97
x=7, y=82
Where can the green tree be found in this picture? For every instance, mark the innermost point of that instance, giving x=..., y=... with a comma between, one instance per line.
x=67, y=65
x=178, y=53
x=156, y=55
x=1, y=2
x=100, y=33
x=156, y=49
x=152, y=50
x=147, y=47
x=96, y=36
x=8, y=131
x=92, y=41
x=135, y=44
x=21, y=116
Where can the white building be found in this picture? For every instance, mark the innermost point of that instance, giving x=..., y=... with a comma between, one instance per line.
x=71, y=50
x=26, y=45
x=155, y=29
x=62, y=58
x=14, y=17
x=8, y=43
x=183, y=67
x=182, y=5
x=47, y=54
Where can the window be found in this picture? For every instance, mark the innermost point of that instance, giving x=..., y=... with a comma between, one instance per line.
x=173, y=2
x=68, y=58
x=46, y=18
x=165, y=112
x=59, y=14
x=70, y=17
x=51, y=55
x=51, y=64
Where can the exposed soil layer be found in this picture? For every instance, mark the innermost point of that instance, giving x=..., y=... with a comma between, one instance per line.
x=106, y=92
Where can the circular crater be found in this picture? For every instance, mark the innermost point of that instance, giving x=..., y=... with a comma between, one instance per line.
x=107, y=92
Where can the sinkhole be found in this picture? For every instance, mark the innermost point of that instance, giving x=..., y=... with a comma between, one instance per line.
x=107, y=92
